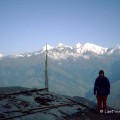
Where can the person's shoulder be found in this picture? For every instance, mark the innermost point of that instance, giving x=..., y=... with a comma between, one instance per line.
x=106, y=78
x=97, y=78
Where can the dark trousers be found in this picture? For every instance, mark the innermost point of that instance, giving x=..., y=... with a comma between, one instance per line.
x=102, y=100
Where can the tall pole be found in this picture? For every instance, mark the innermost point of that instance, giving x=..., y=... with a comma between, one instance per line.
x=46, y=69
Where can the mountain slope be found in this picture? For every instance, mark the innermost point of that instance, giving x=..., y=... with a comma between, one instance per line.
x=114, y=98
x=114, y=51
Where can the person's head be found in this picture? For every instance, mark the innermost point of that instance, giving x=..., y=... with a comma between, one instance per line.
x=101, y=73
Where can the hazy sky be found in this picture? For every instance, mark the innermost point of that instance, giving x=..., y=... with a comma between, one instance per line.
x=27, y=25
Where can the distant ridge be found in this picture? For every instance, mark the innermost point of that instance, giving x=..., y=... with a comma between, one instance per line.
x=61, y=51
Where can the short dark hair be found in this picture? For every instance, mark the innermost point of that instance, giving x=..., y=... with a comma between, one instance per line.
x=101, y=71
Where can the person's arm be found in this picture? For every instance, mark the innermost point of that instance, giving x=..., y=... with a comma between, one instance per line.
x=95, y=87
x=108, y=86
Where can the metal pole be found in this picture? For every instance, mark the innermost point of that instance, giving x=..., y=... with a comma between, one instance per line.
x=46, y=69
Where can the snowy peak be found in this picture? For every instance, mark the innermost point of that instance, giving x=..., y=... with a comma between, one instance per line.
x=48, y=47
x=94, y=48
x=88, y=47
x=62, y=51
x=27, y=54
x=62, y=46
x=78, y=45
x=115, y=50
x=117, y=47
x=1, y=55
x=83, y=48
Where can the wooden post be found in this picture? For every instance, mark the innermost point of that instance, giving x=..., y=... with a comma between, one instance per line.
x=46, y=69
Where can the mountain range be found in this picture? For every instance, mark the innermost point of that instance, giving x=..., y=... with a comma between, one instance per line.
x=75, y=51
x=72, y=70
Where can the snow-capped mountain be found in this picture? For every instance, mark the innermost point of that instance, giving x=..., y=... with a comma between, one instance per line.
x=79, y=48
x=27, y=54
x=1, y=55
x=115, y=50
x=88, y=47
x=72, y=69
x=62, y=51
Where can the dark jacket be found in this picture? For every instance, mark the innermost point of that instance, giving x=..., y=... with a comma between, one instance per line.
x=102, y=86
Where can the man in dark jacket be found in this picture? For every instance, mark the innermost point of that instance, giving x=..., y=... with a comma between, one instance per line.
x=102, y=90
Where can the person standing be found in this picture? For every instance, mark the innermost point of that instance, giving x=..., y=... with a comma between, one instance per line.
x=102, y=90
